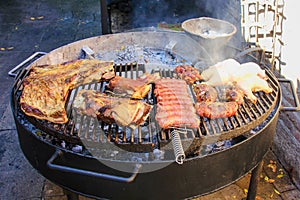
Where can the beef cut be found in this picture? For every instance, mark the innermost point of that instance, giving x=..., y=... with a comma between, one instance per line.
x=45, y=90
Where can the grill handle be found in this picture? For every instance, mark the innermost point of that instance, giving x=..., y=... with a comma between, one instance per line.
x=13, y=73
x=51, y=165
x=295, y=96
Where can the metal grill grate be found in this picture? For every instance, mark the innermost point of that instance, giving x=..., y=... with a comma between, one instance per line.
x=149, y=135
x=90, y=129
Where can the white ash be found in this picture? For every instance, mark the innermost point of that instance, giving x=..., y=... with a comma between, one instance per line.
x=218, y=146
x=158, y=154
x=77, y=148
x=136, y=159
x=146, y=156
x=141, y=55
x=146, y=137
x=63, y=144
x=212, y=33
x=114, y=153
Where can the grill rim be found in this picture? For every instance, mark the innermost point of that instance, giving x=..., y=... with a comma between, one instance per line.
x=197, y=142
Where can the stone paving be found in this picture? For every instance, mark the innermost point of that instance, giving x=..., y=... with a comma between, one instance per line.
x=43, y=25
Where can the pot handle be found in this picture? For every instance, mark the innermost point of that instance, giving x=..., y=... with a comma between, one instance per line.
x=295, y=96
x=13, y=73
x=51, y=165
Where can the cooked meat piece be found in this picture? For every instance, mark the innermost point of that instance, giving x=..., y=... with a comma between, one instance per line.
x=174, y=109
x=172, y=98
x=46, y=89
x=123, y=111
x=129, y=87
x=252, y=84
x=233, y=93
x=136, y=89
x=174, y=104
x=229, y=71
x=205, y=92
x=172, y=89
x=177, y=121
x=220, y=73
x=76, y=69
x=215, y=110
x=251, y=68
x=188, y=73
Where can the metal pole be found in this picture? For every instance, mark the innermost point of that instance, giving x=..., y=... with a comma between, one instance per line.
x=70, y=195
x=104, y=17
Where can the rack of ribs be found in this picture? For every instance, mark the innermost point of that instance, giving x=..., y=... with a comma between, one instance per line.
x=174, y=104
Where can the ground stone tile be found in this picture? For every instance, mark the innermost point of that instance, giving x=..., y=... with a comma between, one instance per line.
x=291, y=195
x=52, y=190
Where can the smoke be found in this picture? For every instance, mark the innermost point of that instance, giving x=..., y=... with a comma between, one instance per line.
x=150, y=13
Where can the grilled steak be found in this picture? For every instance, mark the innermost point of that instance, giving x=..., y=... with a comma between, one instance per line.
x=123, y=111
x=214, y=110
x=188, y=73
x=46, y=89
x=174, y=105
x=136, y=89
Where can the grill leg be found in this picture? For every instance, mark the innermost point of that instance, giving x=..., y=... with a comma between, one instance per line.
x=254, y=181
x=71, y=195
